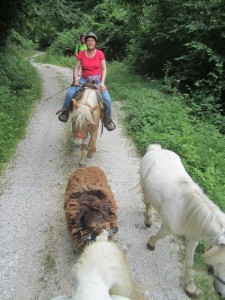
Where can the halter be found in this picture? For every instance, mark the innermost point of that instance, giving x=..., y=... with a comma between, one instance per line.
x=211, y=271
x=80, y=135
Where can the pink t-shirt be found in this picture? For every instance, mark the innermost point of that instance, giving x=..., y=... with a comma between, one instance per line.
x=91, y=66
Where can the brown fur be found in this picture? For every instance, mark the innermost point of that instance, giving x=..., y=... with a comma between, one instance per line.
x=89, y=205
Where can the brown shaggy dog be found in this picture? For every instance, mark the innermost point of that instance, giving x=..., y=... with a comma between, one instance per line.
x=89, y=205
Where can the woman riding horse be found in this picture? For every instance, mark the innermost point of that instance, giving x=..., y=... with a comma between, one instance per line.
x=93, y=66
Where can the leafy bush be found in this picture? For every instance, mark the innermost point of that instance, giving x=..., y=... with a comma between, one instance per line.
x=19, y=87
x=66, y=41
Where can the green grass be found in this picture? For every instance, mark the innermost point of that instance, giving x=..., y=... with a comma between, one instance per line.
x=64, y=61
x=20, y=87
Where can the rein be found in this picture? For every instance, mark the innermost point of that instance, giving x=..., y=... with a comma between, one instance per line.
x=88, y=105
x=78, y=97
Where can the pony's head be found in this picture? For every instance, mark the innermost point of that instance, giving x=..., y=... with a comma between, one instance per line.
x=83, y=123
x=215, y=257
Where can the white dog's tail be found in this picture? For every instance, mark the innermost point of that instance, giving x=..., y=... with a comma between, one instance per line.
x=154, y=147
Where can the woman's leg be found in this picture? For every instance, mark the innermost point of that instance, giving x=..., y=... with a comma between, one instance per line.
x=109, y=122
x=71, y=91
x=107, y=100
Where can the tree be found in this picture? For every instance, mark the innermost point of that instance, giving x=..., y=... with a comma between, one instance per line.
x=187, y=36
x=12, y=15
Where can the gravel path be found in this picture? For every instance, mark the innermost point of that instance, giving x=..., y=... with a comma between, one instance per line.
x=36, y=251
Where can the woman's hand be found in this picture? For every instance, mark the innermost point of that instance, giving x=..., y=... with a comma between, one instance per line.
x=76, y=82
x=103, y=87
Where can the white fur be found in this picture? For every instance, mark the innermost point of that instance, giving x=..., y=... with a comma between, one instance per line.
x=102, y=273
x=184, y=210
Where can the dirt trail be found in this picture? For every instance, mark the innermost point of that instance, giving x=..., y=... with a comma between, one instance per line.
x=36, y=250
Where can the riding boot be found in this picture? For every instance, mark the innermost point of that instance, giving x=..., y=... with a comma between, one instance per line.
x=111, y=126
x=108, y=122
x=64, y=113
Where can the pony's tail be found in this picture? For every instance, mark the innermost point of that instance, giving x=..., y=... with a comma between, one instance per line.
x=154, y=147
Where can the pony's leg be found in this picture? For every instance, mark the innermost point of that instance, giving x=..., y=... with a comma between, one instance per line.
x=93, y=141
x=189, y=285
x=163, y=231
x=148, y=214
x=148, y=209
x=83, y=152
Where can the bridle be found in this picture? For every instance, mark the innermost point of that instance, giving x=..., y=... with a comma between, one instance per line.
x=80, y=135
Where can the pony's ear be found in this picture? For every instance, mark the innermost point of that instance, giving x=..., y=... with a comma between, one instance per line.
x=221, y=241
x=75, y=103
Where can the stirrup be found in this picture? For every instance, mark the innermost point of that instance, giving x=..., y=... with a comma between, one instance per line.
x=110, y=126
x=63, y=117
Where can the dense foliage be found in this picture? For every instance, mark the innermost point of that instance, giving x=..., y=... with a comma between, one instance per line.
x=182, y=40
x=8, y=11
x=19, y=87
x=179, y=42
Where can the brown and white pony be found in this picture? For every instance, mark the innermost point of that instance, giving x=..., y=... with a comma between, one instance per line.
x=85, y=123
x=89, y=205
x=185, y=210
x=103, y=273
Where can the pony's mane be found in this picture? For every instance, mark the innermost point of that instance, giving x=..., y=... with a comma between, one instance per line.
x=81, y=117
x=200, y=212
x=104, y=258
x=215, y=255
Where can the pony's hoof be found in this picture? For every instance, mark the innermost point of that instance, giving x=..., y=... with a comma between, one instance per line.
x=90, y=155
x=148, y=225
x=191, y=293
x=81, y=164
x=151, y=248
